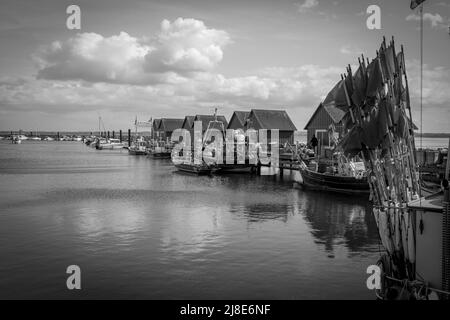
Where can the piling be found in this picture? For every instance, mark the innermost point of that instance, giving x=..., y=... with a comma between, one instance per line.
x=57, y=136
x=108, y=134
x=120, y=136
x=113, y=134
x=129, y=137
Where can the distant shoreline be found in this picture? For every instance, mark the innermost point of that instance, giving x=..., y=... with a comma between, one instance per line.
x=85, y=133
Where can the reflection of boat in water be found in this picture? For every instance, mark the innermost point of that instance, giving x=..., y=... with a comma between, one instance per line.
x=329, y=181
x=235, y=168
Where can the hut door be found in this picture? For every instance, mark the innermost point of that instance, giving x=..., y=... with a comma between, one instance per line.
x=322, y=137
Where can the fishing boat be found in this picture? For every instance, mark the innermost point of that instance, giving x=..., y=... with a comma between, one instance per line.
x=198, y=169
x=332, y=181
x=138, y=147
x=414, y=227
x=109, y=144
x=224, y=166
x=159, y=150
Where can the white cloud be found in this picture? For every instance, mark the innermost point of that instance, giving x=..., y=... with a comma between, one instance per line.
x=436, y=81
x=350, y=49
x=186, y=45
x=306, y=5
x=436, y=20
x=299, y=87
x=92, y=57
x=182, y=47
x=443, y=4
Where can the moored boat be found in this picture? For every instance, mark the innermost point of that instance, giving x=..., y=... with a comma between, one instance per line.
x=159, y=151
x=16, y=140
x=199, y=169
x=109, y=144
x=138, y=147
x=330, y=181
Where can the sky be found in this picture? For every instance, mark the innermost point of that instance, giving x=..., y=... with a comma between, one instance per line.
x=175, y=58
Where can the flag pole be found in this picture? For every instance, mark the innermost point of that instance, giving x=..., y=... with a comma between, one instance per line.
x=421, y=73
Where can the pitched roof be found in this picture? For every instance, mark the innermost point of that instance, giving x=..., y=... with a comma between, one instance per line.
x=156, y=123
x=270, y=119
x=188, y=122
x=206, y=119
x=169, y=125
x=335, y=114
x=240, y=116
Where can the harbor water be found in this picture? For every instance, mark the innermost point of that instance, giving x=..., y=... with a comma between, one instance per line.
x=137, y=228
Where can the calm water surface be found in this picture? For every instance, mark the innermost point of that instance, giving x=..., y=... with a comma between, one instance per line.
x=139, y=229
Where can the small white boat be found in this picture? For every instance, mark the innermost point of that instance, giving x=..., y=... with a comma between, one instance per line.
x=48, y=139
x=78, y=138
x=35, y=138
x=110, y=144
x=22, y=137
x=16, y=140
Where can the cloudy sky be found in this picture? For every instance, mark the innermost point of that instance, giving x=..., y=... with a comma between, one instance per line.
x=174, y=58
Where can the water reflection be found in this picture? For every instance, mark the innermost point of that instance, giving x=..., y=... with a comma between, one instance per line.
x=336, y=220
x=146, y=231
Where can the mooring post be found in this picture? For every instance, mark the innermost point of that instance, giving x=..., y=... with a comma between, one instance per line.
x=57, y=136
x=108, y=134
x=113, y=134
x=120, y=135
x=129, y=137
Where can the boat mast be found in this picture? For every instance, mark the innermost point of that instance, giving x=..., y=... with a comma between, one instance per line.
x=421, y=70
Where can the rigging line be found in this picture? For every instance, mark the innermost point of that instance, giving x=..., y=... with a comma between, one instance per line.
x=421, y=73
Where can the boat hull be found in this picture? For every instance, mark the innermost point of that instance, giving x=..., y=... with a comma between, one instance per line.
x=339, y=184
x=194, y=169
x=110, y=147
x=135, y=152
x=159, y=155
x=235, y=168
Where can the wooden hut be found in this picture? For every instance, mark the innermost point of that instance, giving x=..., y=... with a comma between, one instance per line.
x=155, y=127
x=167, y=126
x=238, y=120
x=206, y=119
x=319, y=124
x=272, y=119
